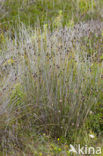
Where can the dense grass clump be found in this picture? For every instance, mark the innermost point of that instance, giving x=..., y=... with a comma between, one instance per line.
x=51, y=76
x=50, y=84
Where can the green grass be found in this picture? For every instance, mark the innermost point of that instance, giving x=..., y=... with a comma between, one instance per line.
x=41, y=12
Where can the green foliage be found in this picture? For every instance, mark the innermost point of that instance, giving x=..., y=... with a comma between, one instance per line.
x=96, y=115
x=47, y=11
x=86, y=5
x=17, y=93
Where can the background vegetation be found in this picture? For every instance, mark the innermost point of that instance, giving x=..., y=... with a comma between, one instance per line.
x=40, y=12
x=51, y=76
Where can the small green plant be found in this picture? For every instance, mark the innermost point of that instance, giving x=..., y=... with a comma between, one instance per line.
x=86, y=5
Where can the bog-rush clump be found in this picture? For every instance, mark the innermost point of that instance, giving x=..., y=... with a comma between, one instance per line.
x=49, y=80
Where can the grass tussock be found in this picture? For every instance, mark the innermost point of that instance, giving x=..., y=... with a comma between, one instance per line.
x=51, y=82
